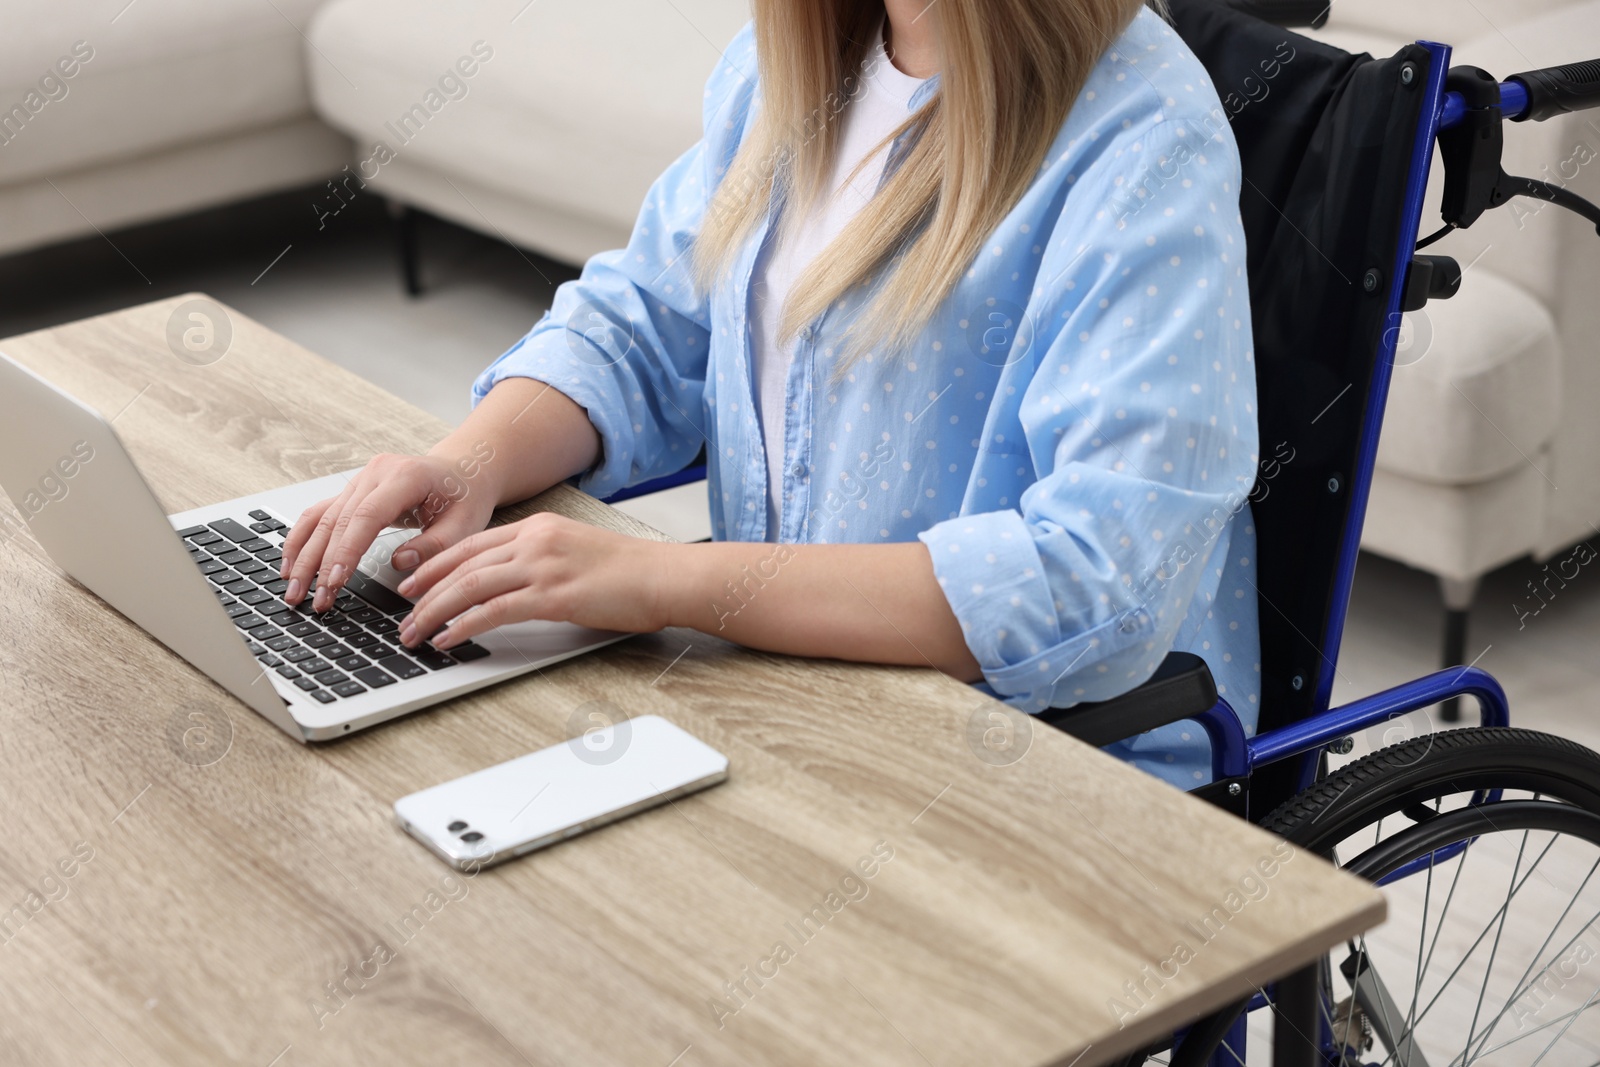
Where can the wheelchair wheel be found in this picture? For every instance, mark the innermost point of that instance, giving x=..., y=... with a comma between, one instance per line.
x=1496, y=964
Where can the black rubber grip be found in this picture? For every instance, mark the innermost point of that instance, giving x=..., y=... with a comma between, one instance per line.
x=1311, y=13
x=1558, y=90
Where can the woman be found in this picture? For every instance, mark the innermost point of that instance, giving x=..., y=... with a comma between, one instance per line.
x=953, y=295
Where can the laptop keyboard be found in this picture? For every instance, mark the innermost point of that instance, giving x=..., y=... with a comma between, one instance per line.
x=345, y=651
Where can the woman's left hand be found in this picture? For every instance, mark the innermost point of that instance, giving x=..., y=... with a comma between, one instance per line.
x=543, y=567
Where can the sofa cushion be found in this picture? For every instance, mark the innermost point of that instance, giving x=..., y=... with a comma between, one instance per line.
x=191, y=177
x=163, y=73
x=1458, y=531
x=580, y=107
x=1476, y=386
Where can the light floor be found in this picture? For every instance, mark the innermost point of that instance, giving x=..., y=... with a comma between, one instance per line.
x=337, y=292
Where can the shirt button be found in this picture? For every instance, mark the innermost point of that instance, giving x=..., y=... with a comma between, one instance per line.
x=798, y=469
x=806, y=333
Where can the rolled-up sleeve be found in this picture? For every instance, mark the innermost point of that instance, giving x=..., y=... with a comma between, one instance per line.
x=628, y=339
x=1138, y=410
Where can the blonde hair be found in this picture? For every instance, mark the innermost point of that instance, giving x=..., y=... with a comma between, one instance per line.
x=1010, y=71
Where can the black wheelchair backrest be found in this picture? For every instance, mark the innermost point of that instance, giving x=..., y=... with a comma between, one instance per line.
x=1326, y=140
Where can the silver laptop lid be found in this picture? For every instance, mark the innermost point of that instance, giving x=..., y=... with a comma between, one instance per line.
x=70, y=477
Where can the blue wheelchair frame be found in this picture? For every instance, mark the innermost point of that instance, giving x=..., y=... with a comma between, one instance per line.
x=1235, y=756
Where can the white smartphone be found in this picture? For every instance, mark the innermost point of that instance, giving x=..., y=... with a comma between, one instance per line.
x=524, y=804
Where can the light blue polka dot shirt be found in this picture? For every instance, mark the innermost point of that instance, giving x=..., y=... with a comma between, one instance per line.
x=1073, y=437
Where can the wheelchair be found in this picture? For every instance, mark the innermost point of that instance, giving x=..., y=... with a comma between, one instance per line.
x=1336, y=165
x=1336, y=168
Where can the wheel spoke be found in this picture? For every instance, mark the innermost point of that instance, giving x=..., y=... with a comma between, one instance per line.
x=1422, y=935
x=1445, y=914
x=1564, y=1029
x=1355, y=1003
x=1371, y=991
x=1383, y=1006
x=1545, y=1026
x=1494, y=950
x=1479, y=940
x=1483, y=789
x=1553, y=960
x=1519, y=986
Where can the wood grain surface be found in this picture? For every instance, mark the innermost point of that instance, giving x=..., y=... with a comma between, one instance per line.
x=258, y=905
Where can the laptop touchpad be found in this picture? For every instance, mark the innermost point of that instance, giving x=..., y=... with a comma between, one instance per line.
x=375, y=564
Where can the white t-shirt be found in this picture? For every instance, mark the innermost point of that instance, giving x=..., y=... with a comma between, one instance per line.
x=881, y=105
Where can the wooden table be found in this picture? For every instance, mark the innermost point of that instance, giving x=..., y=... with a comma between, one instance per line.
x=258, y=905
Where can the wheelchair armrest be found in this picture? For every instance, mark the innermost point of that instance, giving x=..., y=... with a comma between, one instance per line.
x=1181, y=688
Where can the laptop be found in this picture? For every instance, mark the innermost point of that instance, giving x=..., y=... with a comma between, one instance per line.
x=205, y=582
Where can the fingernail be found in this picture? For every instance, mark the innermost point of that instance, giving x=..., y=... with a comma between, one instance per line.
x=444, y=640
x=336, y=576
x=408, y=634
x=405, y=559
x=406, y=586
x=292, y=594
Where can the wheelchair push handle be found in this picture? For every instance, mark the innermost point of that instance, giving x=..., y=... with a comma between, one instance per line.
x=1554, y=91
x=1470, y=122
x=1534, y=95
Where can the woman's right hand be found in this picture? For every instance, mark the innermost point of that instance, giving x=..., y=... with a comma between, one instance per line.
x=449, y=499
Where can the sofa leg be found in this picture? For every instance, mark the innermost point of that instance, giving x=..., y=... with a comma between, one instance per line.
x=1458, y=596
x=405, y=232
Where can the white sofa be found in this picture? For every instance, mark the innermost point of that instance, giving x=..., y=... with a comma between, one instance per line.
x=571, y=109
x=560, y=133
x=1491, y=441
x=170, y=106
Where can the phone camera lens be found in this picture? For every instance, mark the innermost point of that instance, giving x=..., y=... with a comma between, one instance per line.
x=457, y=826
x=472, y=836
